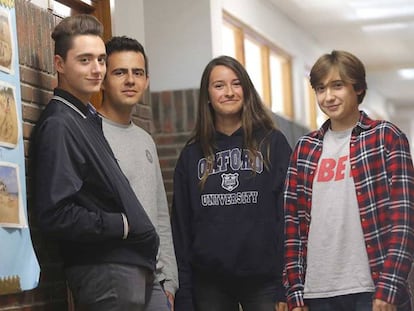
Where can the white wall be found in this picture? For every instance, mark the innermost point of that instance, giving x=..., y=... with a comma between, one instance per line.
x=403, y=119
x=127, y=18
x=178, y=42
x=375, y=104
x=181, y=36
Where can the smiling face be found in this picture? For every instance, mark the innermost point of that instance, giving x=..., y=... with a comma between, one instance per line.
x=82, y=72
x=338, y=100
x=226, y=94
x=125, y=82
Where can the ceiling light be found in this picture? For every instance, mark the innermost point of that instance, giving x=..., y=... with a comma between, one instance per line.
x=384, y=27
x=384, y=12
x=407, y=73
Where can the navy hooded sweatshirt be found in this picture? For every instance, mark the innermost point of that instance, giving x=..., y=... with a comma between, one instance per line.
x=233, y=226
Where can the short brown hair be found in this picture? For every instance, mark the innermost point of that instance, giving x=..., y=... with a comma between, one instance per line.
x=71, y=26
x=350, y=68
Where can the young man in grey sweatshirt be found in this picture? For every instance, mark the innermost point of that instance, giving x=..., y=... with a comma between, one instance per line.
x=123, y=87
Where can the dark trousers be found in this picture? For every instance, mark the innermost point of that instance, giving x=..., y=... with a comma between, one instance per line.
x=225, y=294
x=114, y=287
x=352, y=302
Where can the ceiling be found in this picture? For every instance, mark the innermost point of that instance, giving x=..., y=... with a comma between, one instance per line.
x=379, y=32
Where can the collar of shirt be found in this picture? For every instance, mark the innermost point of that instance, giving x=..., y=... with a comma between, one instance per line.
x=364, y=123
x=72, y=99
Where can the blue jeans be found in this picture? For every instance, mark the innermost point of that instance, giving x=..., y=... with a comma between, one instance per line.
x=225, y=294
x=114, y=287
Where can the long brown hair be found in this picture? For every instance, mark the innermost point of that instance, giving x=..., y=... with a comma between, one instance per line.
x=254, y=115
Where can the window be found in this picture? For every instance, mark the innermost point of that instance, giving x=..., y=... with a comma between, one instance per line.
x=64, y=8
x=229, y=41
x=253, y=64
x=276, y=82
x=311, y=109
x=268, y=66
x=98, y=8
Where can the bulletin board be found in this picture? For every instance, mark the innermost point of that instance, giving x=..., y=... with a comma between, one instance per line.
x=19, y=268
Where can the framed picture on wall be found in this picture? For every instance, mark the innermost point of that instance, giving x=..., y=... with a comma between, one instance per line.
x=11, y=209
x=9, y=126
x=6, y=43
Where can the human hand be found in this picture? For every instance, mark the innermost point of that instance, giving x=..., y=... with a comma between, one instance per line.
x=305, y=308
x=170, y=298
x=380, y=305
x=281, y=306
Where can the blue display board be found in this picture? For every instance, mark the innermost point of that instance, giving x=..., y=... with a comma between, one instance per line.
x=19, y=268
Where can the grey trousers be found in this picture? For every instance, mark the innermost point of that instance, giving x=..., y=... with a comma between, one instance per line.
x=115, y=287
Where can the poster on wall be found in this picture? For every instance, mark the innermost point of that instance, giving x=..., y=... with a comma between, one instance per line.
x=6, y=41
x=11, y=205
x=9, y=129
x=19, y=268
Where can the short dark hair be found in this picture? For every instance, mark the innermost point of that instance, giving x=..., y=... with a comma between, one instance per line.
x=71, y=26
x=350, y=68
x=124, y=43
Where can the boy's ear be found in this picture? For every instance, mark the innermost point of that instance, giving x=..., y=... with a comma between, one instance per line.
x=59, y=63
x=147, y=83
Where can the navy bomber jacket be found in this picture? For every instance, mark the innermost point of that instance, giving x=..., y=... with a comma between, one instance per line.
x=80, y=191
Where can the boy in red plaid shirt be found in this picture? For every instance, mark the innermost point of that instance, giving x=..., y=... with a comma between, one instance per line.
x=349, y=197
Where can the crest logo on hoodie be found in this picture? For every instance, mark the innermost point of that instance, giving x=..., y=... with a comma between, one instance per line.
x=230, y=181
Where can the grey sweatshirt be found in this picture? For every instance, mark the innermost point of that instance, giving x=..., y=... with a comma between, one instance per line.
x=137, y=156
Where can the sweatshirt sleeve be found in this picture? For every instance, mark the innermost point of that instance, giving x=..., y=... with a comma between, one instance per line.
x=59, y=165
x=280, y=161
x=166, y=261
x=182, y=235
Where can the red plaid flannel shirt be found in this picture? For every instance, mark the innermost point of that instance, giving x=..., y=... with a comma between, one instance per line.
x=383, y=174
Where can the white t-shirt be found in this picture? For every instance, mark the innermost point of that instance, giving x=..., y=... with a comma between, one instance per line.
x=337, y=260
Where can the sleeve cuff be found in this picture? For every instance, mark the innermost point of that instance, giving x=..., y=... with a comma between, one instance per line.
x=126, y=226
x=170, y=286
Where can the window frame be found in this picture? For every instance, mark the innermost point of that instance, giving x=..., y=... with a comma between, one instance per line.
x=241, y=31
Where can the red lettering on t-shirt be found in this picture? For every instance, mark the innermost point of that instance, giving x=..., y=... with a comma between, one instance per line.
x=340, y=170
x=329, y=169
x=326, y=170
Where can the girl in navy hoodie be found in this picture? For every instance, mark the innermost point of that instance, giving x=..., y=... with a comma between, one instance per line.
x=227, y=214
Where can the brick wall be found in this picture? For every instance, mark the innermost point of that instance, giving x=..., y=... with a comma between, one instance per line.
x=34, y=26
x=174, y=116
x=37, y=81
